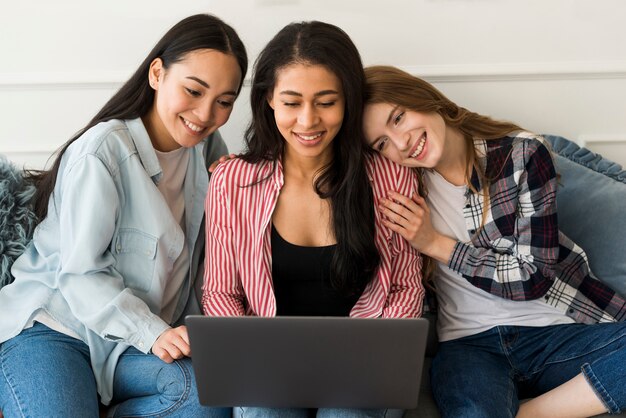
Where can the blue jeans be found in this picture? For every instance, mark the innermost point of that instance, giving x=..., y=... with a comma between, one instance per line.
x=46, y=374
x=245, y=412
x=146, y=386
x=485, y=375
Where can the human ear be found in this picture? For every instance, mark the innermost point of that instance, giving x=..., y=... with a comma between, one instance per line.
x=270, y=100
x=155, y=73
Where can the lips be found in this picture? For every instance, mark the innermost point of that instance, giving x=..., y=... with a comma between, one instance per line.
x=309, y=139
x=197, y=129
x=418, y=148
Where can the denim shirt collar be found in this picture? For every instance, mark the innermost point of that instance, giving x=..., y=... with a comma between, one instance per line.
x=144, y=147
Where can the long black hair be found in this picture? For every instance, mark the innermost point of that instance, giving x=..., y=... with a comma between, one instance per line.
x=344, y=181
x=135, y=98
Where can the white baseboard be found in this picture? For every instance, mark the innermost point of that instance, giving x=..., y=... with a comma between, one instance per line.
x=612, y=147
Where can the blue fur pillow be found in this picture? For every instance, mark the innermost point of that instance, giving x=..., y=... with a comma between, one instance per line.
x=591, y=203
x=17, y=220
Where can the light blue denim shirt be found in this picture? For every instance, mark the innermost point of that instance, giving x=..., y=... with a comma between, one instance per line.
x=99, y=262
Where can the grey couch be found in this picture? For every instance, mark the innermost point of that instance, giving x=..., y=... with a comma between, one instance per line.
x=590, y=187
x=586, y=179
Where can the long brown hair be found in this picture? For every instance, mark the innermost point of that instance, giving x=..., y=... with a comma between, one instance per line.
x=344, y=181
x=135, y=98
x=386, y=84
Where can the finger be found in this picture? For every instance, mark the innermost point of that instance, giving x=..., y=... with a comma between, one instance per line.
x=421, y=202
x=184, y=350
x=226, y=157
x=213, y=166
x=398, y=229
x=162, y=354
x=160, y=346
x=182, y=346
x=178, y=340
x=406, y=228
x=173, y=351
x=184, y=335
x=400, y=198
x=408, y=213
x=391, y=214
x=182, y=332
x=407, y=202
x=417, y=198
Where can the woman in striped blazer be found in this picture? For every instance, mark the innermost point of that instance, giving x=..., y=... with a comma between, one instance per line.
x=291, y=224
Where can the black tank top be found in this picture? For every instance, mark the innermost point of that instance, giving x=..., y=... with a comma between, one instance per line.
x=301, y=278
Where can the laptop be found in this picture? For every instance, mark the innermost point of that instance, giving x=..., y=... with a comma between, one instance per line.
x=307, y=362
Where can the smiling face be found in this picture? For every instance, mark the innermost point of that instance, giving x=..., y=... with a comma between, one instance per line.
x=409, y=138
x=193, y=98
x=308, y=106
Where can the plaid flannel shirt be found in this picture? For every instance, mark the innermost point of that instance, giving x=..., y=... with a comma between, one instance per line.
x=519, y=253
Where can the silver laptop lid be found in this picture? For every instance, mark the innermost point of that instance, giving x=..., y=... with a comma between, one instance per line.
x=308, y=361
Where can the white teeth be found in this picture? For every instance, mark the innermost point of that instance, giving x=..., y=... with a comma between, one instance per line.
x=193, y=126
x=309, y=137
x=420, y=146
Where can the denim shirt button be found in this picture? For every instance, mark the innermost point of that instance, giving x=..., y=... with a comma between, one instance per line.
x=140, y=344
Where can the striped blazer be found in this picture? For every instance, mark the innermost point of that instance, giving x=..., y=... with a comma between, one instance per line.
x=238, y=277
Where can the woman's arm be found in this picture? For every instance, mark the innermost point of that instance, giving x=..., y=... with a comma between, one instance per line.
x=519, y=266
x=406, y=292
x=222, y=293
x=92, y=287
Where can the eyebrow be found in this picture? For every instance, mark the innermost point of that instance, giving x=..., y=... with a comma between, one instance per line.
x=318, y=94
x=197, y=80
x=206, y=85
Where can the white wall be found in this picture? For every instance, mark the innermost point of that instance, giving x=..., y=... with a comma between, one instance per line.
x=554, y=66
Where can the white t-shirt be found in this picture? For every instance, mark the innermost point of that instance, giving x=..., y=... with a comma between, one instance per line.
x=174, y=165
x=463, y=308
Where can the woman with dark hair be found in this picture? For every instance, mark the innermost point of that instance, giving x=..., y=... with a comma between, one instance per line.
x=100, y=292
x=515, y=295
x=291, y=225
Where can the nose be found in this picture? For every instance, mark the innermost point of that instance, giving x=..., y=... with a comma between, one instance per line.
x=308, y=117
x=204, y=112
x=402, y=141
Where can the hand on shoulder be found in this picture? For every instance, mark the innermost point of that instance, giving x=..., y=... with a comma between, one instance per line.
x=222, y=159
x=410, y=217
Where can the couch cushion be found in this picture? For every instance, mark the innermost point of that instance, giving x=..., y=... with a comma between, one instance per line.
x=592, y=208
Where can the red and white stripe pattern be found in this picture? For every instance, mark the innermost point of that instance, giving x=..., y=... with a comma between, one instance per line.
x=238, y=277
